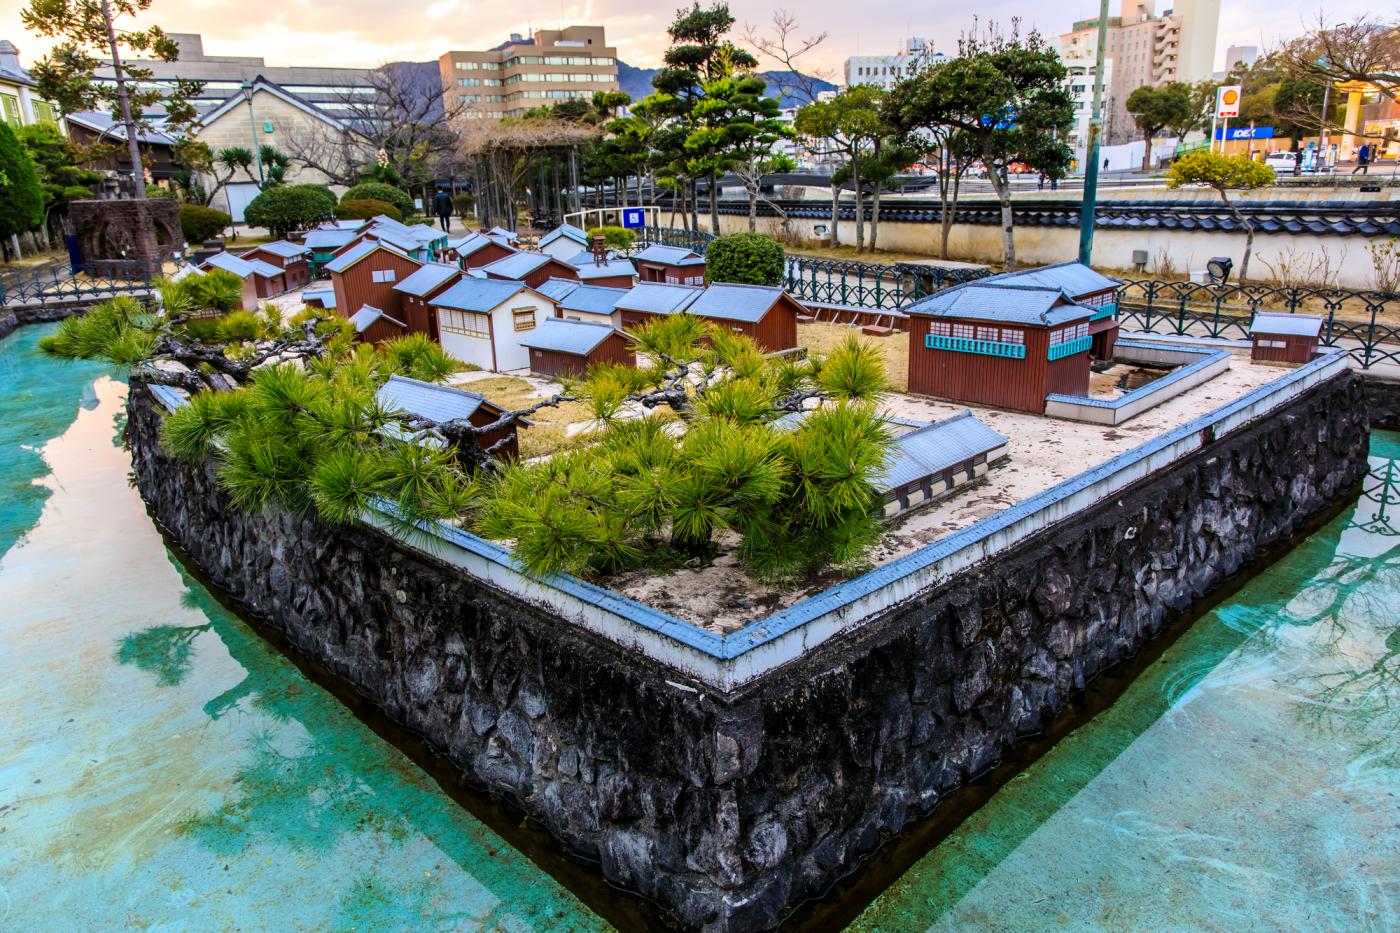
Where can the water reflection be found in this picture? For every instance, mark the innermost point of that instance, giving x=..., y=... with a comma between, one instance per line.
x=160, y=764
x=1249, y=778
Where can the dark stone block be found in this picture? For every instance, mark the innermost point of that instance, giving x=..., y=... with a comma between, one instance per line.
x=729, y=809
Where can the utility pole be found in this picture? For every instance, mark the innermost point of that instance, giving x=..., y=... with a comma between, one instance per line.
x=1091, y=171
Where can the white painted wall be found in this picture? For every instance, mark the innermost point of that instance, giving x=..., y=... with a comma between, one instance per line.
x=562, y=248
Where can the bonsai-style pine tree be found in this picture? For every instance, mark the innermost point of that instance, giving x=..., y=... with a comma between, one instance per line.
x=1224, y=174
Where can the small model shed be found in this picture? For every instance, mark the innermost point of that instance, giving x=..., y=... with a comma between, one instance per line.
x=289, y=257
x=374, y=326
x=365, y=274
x=766, y=314
x=563, y=347
x=930, y=462
x=578, y=302
x=443, y=403
x=417, y=291
x=564, y=241
x=481, y=321
x=649, y=300
x=610, y=273
x=534, y=269
x=1083, y=286
x=260, y=279
x=998, y=344
x=1284, y=338
x=476, y=250
x=671, y=264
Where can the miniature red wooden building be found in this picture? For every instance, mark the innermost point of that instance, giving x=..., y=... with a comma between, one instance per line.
x=1284, y=338
x=563, y=347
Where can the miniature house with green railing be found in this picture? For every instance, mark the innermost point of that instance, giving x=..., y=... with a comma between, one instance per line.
x=999, y=344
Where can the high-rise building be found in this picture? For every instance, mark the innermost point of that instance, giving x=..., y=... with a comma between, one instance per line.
x=1147, y=49
x=1081, y=88
x=552, y=65
x=886, y=70
x=1238, y=56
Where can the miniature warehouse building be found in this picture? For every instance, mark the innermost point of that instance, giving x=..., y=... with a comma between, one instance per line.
x=671, y=264
x=650, y=300
x=563, y=347
x=289, y=257
x=373, y=326
x=1284, y=338
x=443, y=403
x=365, y=274
x=1083, y=286
x=764, y=313
x=534, y=269
x=563, y=241
x=1003, y=345
x=578, y=302
x=931, y=461
x=476, y=250
x=417, y=292
x=481, y=321
x=260, y=279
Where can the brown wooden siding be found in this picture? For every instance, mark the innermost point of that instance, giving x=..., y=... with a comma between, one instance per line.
x=1068, y=375
x=1297, y=349
x=381, y=330
x=294, y=270
x=615, y=349
x=484, y=416
x=662, y=272
x=631, y=320
x=482, y=257
x=356, y=286
x=267, y=287
x=419, y=314
x=1105, y=336
x=554, y=269
x=612, y=281
x=1000, y=382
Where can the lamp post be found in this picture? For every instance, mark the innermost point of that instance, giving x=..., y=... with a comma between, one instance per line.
x=247, y=90
x=1091, y=171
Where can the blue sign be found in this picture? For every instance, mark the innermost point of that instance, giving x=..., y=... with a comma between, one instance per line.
x=1244, y=132
x=634, y=218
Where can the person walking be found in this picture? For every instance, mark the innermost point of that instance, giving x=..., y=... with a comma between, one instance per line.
x=1298, y=161
x=1363, y=159
x=442, y=207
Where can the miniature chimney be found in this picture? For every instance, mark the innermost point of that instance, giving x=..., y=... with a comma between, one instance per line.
x=600, y=248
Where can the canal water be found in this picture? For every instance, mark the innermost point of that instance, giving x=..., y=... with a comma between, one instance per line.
x=163, y=767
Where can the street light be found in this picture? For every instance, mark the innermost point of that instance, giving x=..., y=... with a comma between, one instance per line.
x=247, y=90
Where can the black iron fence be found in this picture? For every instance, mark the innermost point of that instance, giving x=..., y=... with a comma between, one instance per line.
x=57, y=284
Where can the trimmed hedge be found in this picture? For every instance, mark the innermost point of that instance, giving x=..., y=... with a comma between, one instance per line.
x=365, y=208
x=286, y=208
x=614, y=237
x=746, y=258
x=378, y=191
x=199, y=223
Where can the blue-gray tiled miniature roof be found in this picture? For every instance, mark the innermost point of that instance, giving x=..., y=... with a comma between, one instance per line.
x=936, y=447
x=481, y=295
x=429, y=400
x=669, y=256
x=731, y=302
x=1073, y=278
x=421, y=281
x=659, y=298
x=516, y=266
x=575, y=337
x=1289, y=325
x=1012, y=304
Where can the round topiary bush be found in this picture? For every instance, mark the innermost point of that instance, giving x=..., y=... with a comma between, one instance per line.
x=746, y=258
x=378, y=191
x=614, y=237
x=364, y=209
x=289, y=207
x=200, y=223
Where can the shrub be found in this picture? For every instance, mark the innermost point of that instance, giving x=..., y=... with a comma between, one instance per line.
x=614, y=237
x=378, y=191
x=21, y=194
x=463, y=203
x=746, y=258
x=365, y=208
x=289, y=207
x=199, y=223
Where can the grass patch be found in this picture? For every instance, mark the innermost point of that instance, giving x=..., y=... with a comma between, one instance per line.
x=821, y=339
x=548, y=431
x=849, y=254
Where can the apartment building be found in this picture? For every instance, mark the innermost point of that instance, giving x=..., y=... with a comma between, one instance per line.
x=551, y=66
x=1081, y=87
x=1147, y=49
x=886, y=70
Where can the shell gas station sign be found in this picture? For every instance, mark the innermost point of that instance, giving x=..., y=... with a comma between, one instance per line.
x=1227, y=101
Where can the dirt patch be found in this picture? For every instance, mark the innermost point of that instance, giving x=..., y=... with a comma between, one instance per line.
x=820, y=339
x=551, y=429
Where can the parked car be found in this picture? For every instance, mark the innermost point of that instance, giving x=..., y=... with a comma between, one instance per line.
x=1280, y=162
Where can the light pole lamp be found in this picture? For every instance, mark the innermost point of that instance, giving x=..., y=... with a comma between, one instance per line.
x=247, y=90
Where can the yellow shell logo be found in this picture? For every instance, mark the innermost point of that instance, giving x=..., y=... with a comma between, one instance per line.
x=1230, y=96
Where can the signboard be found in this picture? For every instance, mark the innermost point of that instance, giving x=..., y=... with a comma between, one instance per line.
x=1244, y=132
x=634, y=218
x=1227, y=101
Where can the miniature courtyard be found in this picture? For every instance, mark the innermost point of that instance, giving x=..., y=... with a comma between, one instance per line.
x=718, y=596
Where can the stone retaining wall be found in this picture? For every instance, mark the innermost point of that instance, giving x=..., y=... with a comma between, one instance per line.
x=729, y=809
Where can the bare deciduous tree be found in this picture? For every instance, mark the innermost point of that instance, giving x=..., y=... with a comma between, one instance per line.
x=1365, y=49
x=785, y=46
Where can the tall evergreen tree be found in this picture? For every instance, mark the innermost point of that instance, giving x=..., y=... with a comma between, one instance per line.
x=21, y=195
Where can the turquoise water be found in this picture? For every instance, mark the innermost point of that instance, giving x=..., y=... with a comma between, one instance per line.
x=1248, y=779
x=162, y=767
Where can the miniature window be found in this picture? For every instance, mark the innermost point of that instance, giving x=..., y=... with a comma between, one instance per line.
x=384, y=275
x=941, y=328
x=524, y=318
x=1013, y=336
x=987, y=333
x=464, y=322
x=964, y=330
x=695, y=280
x=1081, y=330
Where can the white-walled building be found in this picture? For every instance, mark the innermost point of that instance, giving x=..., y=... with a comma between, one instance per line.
x=1081, y=87
x=886, y=70
x=481, y=321
x=20, y=105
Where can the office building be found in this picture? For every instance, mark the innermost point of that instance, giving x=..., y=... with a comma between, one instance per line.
x=886, y=70
x=1147, y=49
x=552, y=65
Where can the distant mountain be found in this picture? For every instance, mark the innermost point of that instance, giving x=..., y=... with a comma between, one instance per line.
x=636, y=82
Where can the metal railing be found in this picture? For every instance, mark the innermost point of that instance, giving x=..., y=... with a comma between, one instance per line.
x=58, y=284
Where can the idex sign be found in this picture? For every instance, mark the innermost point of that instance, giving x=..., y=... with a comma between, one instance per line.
x=1227, y=101
x=1245, y=132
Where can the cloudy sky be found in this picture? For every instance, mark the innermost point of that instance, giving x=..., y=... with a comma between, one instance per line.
x=358, y=33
